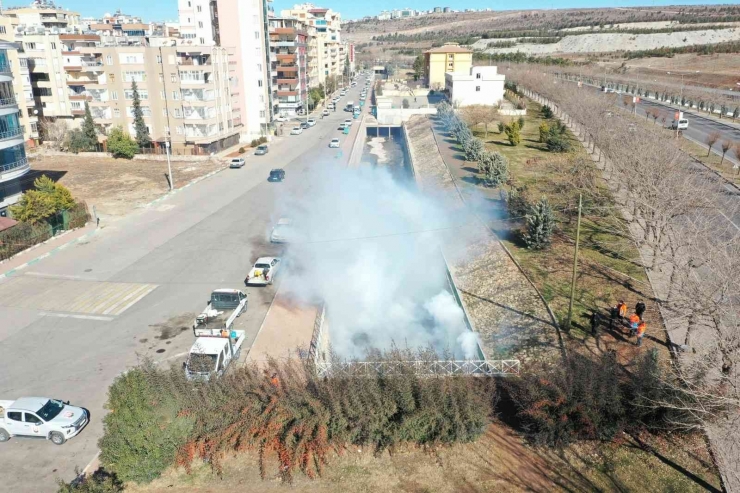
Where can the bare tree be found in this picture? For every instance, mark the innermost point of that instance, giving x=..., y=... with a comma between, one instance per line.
x=726, y=146
x=711, y=139
x=55, y=131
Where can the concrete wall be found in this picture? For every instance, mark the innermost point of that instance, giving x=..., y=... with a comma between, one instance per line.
x=396, y=116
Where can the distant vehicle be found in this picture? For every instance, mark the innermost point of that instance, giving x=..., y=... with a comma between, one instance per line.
x=349, y=106
x=296, y=131
x=347, y=122
x=263, y=272
x=680, y=124
x=224, y=306
x=41, y=417
x=330, y=106
x=281, y=118
x=237, y=162
x=362, y=98
x=305, y=125
x=342, y=93
x=300, y=111
x=341, y=126
x=325, y=113
x=311, y=122
x=353, y=84
x=334, y=143
x=283, y=231
x=277, y=174
x=261, y=150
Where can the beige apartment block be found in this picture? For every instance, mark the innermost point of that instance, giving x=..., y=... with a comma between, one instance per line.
x=43, y=14
x=184, y=93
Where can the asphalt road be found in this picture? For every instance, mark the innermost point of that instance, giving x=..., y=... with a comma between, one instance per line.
x=72, y=322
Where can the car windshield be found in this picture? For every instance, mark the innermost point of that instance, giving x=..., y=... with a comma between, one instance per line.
x=202, y=363
x=262, y=148
x=236, y=160
x=261, y=266
x=50, y=410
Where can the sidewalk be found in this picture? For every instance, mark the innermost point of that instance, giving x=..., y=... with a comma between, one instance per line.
x=50, y=247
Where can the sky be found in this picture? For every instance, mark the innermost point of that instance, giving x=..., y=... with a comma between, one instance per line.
x=167, y=9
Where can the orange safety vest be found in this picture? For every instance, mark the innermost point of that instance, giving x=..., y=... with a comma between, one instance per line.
x=634, y=319
x=622, y=307
x=641, y=328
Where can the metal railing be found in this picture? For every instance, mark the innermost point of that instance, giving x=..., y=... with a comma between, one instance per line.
x=317, y=333
x=488, y=368
x=16, y=164
x=11, y=133
x=5, y=68
x=7, y=102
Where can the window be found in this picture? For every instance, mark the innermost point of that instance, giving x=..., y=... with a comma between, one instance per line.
x=477, y=88
x=116, y=112
x=114, y=95
x=159, y=58
x=178, y=113
x=199, y=8
x=189, y=4
x=202, y=41
x=173, y=78
x=129, y=58
x=32, y=418
x=129, y=94
x=112, y=77
x=14, y=415
x=163, y=94
x=30, y=46
x=175, y=95
x=109, y=60
x=259, y=67
x=477, y=76
x=259, y=82
x=53, y=46
x=256, y=35
x=2, y=29
x=164, y=112
x=200, y=24
x=145, y=111
x=178, y=130
x=262, y=113
x=34, y=127
x=135, y=76
x=161, y=78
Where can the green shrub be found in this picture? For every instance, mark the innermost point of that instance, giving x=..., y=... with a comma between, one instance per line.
x=77, y=141
x=262, y=139
x=254, y=143
x=540, y=225
x=558, y=143
x=242, y=150
x=544, y=132
x=48, y=199
x=405, y=103
x=494, y=167
x=512, y=133
x=98, y=482
x=501, y=127
x=120, y=144
x=21, y=236
x=145, y=428
x=520, y=121
x=474, y=149
x=546, y=112
x=516, y=202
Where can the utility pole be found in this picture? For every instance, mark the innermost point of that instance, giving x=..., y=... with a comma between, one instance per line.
x=169, y=166
x=575, y=264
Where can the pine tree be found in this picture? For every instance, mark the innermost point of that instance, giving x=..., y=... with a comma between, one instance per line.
x=540, y=225
x=142, y=133
x=494, y=167
x=473, y=149
x=88, y=127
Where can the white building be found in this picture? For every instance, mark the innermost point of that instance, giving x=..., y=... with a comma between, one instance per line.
x=483, y=85
x=384, y=16
x=198, y=22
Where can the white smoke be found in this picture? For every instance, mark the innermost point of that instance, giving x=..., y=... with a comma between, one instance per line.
x=371, y=251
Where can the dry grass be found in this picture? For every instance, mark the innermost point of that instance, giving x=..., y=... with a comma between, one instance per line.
x=117, y=186
x=712, y=160
x=499, y=462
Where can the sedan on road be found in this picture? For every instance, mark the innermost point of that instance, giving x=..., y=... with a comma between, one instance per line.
x=277, y=174
x=334, y=143
x=261, y=150
x=325, y=113
x=348, y=123
x=283, y=231
x=296, y=131
x=237, y=162
x=311, y=122
x=263, y=272
x=305, y=125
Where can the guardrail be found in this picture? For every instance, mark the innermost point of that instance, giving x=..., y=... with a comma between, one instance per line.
x=313, y=349
x=7, y=102
x=483, y=368
x=15, y=164
x=13, y=132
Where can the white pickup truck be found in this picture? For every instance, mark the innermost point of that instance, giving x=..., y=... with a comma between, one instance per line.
x=41, y=417
x=212, y=353
x=222, y=302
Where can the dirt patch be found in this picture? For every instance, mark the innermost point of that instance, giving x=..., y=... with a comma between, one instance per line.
x=173, y=327
x=117, y=186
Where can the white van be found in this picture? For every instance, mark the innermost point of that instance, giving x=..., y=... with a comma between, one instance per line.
x=680, y=124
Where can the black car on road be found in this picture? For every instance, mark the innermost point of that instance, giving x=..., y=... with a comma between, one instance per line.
x=277, y=174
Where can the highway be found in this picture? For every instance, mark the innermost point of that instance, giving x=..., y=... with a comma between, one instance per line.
x=74, y=321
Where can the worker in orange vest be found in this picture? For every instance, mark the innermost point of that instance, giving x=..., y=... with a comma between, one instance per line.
x=634, y=323
x=622, y=309
x=641, y=327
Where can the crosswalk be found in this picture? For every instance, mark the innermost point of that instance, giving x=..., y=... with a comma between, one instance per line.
x=106, y=299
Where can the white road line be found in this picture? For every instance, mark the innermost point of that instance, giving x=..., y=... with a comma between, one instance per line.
x=59, y=276
x=135, y=300
x=82, y=317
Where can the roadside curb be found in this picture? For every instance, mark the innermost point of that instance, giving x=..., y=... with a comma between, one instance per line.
x=50, y=253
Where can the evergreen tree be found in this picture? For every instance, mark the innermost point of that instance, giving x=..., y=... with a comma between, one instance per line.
x=512, y=133
x=142, y=134
x=540, y=225
x=88, y=127
x=494, y=167
x=474, y=149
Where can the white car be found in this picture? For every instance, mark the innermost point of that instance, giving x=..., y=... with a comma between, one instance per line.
x=330, y=106
x=348, y=123
x=296, y=131
x=342, y=93
x=311, y=122
x=325, y=113
x=334, y=143
x=41, y=417
x=237, y=162
x=263, y=272
x=281, y=118
x=283, y=231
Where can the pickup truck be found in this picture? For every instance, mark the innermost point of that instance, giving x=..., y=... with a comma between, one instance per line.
x=41, y=417
x=212, y=352
x=221, y=302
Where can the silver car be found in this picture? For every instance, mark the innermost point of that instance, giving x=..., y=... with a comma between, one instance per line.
x=237, y=162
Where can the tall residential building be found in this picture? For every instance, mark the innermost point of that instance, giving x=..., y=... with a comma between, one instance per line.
x=330, y=51
x=13, y=162
x=44, y=14
x=450, y=57
x=184, y=93
x=289, y=63
x=199, y=22
x=243, y=26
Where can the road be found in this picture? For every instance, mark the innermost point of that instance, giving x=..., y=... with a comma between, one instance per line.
x=73, y=322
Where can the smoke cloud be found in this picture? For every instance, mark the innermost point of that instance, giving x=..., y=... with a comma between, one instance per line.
x=369, y=248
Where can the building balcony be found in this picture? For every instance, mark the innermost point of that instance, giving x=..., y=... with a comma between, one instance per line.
x=9, y=171
x=292, y=82
x=7, y=102
x=286, y=68
x=286, y=93
x=9, y=134
x=93, y=66
x=78, y=111
x=5, y=69
x=286, y=57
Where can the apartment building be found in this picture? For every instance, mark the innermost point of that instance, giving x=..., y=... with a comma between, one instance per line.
x=184, y=93
x=450, y=57
x=329, y=48
x=199, y=22
x=13, y=162
x=289, y=64
x=44, y=14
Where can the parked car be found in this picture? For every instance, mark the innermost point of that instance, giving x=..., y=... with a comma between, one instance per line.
x=347, y=122
x=263, y=272
x=341, y=126
x=311, y=122
x=261, y=150
x=237, y=162
x=281, y=118
x=296, y=131
x=334, y=143
x=41, y=417
x=325, y=113
x=330, y=106
x=277, y=174
x=305, y=125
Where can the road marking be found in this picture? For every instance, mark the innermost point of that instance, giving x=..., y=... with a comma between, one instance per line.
x=58, y=276
x=81, y=317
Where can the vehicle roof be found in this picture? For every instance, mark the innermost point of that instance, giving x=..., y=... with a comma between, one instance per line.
x=334, y=140
x=208, y=345
x=261, y=145
x=237, y=159
x=276, y=169
x=32, y=404
x=265, y=260
x=225, y=290
x=285, y=220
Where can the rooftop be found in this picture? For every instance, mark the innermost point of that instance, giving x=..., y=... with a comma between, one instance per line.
x=449, y=48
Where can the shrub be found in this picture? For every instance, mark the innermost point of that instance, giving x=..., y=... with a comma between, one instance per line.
x=242, y=150
x=544, y=132
x=405, y=103
x=77, y=141
x=120, y=144
x=512, y=133
x=262, y=139
x=254, y=143
x=501, y=127
x=494, y=167
x=521, y=123
x=517, y=203
x=48, y=199
x=540, y=225
x=474, y=149
x=546, y=112
x=98, y=482
x=558, y=143
x=21, y=236
x=145, y=427
x=577, y=398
